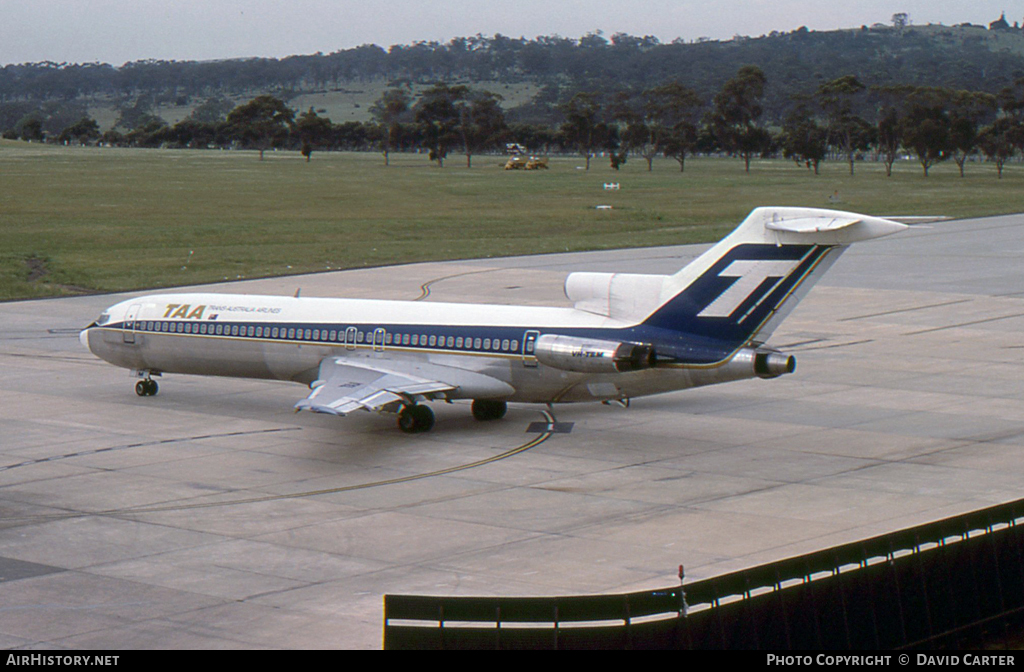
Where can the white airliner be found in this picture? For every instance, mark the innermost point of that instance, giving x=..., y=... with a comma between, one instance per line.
x=626, y=335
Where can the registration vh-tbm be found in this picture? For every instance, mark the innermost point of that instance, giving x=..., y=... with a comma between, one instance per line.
x=627, y=335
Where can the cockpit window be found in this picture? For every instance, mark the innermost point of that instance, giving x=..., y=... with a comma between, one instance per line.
x=103, y=319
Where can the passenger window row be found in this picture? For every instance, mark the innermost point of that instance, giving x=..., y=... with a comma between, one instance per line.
x=349, y=336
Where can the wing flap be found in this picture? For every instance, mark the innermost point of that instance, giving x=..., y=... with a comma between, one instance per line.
x=345, y=385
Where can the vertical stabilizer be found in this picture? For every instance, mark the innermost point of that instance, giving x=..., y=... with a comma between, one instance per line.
x=739, y=290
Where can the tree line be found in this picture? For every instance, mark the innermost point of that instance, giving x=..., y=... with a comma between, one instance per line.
x=843, y=119
x=959, y=57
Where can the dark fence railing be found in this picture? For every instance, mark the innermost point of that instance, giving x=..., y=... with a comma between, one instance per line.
x=940, y=584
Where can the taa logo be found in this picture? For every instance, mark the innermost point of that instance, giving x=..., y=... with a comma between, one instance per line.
x=750, y=275
x=184, y=310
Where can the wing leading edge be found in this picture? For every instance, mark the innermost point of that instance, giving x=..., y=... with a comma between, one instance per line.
x=347, y=385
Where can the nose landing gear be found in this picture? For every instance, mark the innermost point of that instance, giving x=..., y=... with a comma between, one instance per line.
x=146, y=387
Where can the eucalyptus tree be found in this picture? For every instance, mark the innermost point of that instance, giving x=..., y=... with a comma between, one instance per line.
x=996, y=141
x=847, y=132
x=481, y=123
x=675, y=109
x=438, y=118
x=968, y=110
x=889, y=138
x=583, y=128
x=261, y=123
x=735, y=112
x=82, y=131
x=388, y=111
x=926, y=129
x=803, y=140
x=661, y=120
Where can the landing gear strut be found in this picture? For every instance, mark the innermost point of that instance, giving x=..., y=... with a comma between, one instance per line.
x=489, y=409
x=415, y=418
x=146, y=387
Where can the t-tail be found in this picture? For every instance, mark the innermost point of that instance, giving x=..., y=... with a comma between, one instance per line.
x=731, y=298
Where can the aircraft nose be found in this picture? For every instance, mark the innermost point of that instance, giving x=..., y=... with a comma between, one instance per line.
x=83, y=336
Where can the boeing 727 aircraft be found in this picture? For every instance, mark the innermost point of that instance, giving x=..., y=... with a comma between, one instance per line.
x=626, y=335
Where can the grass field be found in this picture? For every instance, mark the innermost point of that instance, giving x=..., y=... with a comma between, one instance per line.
x=89, y=219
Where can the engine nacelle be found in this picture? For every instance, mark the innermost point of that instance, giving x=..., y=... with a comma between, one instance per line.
x=768, y=364
x=588, y=355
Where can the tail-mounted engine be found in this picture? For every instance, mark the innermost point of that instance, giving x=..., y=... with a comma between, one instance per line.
x=587, y=355
x=771, y=364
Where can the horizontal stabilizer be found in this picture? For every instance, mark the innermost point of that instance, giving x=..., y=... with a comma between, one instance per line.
x=822, y=227
x=916, y=220
x=812, y=224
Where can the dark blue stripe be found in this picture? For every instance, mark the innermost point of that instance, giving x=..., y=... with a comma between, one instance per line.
x=681, y=313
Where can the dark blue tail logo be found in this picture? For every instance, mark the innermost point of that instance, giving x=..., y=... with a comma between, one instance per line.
x=739, y=292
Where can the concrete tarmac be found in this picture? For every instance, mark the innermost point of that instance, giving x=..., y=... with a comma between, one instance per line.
x=212, y=516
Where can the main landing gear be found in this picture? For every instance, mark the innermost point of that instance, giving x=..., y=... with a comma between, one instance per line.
x=415, y=418
x=489, y=409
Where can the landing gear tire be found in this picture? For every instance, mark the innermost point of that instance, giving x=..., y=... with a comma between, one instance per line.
x=489, y=409
x=415, y=419
x=146, y=388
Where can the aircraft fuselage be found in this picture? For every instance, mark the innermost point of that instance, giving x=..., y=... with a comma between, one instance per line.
x=283, y=338
x=626, y=336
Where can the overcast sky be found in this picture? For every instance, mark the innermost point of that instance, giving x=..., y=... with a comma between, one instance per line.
x=119, y=31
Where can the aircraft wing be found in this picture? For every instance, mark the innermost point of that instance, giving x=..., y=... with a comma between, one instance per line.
x=383, y=384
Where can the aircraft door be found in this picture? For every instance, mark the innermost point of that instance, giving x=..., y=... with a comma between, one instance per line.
x=350, y=338
x=378, y=339
x=529, y=343
x=130, y=318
